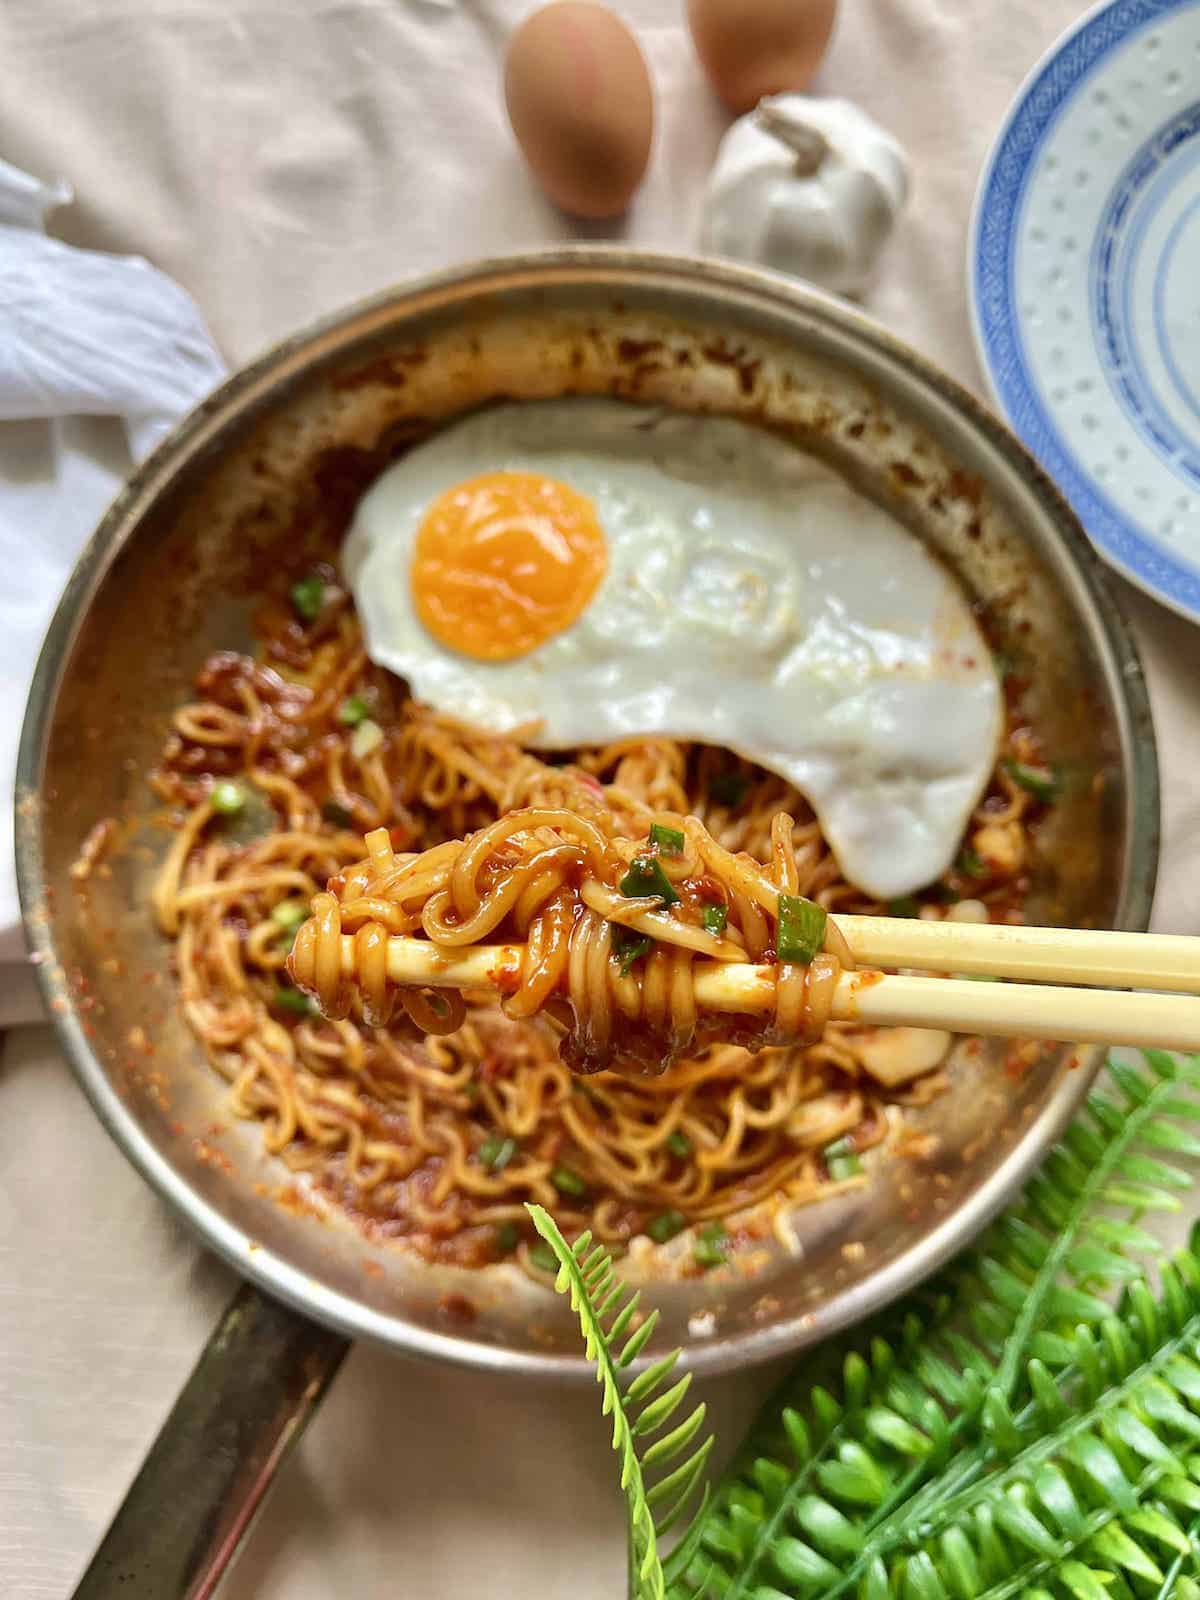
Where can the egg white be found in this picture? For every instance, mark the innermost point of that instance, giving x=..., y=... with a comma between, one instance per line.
x=752, y=600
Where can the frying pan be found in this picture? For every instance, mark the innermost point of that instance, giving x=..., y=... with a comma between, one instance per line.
x=168, y=578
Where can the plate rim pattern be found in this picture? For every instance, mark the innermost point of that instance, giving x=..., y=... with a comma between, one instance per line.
x=995, y=318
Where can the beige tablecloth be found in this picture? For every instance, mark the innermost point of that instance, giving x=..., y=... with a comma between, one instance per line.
x=280, y=157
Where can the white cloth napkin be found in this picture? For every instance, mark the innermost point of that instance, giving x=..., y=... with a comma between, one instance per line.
x=85, y=338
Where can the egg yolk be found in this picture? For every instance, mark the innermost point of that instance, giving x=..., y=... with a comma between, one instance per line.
x=505, y=561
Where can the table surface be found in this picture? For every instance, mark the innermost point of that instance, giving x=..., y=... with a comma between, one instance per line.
x=280, y=159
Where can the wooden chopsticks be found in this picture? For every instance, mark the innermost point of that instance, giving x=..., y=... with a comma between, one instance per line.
x=1165, y=961
x=1108, y=1013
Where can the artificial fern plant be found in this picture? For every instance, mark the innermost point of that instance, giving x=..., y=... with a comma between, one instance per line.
x=656, y=1498
x=1026, y=1425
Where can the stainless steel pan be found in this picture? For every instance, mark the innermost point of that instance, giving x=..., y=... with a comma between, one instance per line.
x=165, y=581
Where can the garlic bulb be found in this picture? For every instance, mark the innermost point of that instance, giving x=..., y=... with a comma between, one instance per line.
x=808, y=186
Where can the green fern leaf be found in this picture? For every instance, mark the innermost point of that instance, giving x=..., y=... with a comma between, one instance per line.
x=1083, y=1583
x=1007, y=1432
x=658, y=1476
x=952, y=1429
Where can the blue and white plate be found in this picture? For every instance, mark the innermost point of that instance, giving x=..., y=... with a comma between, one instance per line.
x=1085, y=283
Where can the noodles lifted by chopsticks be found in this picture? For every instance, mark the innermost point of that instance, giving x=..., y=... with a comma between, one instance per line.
x=611, y=928
x=271, y=784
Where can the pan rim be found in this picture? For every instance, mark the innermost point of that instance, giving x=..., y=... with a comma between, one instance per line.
x=611, y=266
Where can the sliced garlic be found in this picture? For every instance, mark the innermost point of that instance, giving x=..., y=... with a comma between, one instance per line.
x=366, y=737
x=968, y=911
x=821, y=1120
x=1002, y=846
x=894, y=1056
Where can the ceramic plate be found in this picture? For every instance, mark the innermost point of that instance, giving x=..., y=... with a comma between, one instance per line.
x=1084, y=267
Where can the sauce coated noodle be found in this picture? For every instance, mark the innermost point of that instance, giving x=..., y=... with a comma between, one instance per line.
x=439, y=1140
x=608, y=957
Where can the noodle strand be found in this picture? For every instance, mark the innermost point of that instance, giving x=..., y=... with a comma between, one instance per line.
x=403, y=1114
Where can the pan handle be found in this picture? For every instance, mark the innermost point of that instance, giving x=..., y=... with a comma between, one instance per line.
x=257, y=1382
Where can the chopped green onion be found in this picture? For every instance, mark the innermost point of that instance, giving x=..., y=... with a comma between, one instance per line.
x=1041, y=782
x=1005, y=664
x=801, y=930
x=567, y=1181
x=979, y=977
x=333, y=811
x=628, y=946
x=710, y=1246
x=632, y=952
x=366, y=737
x=646, y=877
x=244, y=815
x=353, y=710
x=289, y=914
x=543, y=1258
x=679, y=1144
x=904, y=906
x=666, y=1225
x=727, y=788
x=508, y=1236
x=496, y=1152
x=843, y=1167
x=841, y=1159
x=715, y=918
x=970, y=863
x=294, y=1000
x=308, y=597
x=668, y=840
x=228, y=797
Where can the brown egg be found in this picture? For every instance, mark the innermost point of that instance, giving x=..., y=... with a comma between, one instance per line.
x=750, y=48
x=579, y=100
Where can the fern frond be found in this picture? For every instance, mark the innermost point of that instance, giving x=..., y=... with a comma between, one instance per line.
x=661, y=1469
x=875, y=1469
x=1077, y=1498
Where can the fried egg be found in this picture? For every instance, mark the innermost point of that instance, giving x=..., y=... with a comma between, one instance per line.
x=604, y=570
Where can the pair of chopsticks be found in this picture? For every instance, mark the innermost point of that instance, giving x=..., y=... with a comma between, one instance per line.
x=1042, y=961
x=1038, y=1005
